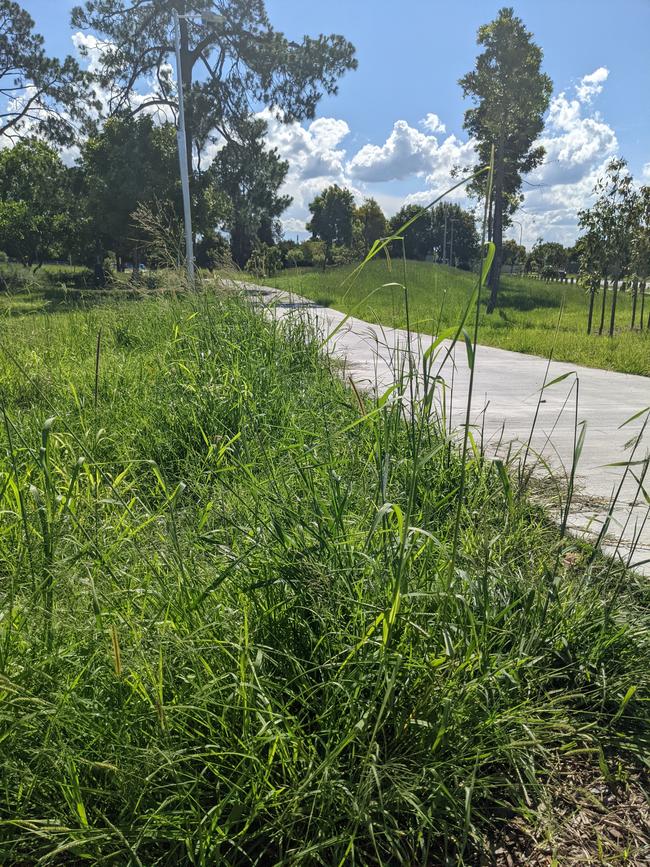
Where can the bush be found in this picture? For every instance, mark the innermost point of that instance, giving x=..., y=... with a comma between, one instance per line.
x=265, y=261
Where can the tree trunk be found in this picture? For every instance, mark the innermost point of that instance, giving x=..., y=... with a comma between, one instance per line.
x=602, y=309
x=100, y=274
x=635, y=292
x=592, y=298
x=642, y=288
x=497, y=230
x=612, y=319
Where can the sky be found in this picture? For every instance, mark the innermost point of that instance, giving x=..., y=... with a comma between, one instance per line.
x=395, y=130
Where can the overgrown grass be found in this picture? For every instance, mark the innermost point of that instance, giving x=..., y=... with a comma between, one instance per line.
x=526, y=320
x=232, y=628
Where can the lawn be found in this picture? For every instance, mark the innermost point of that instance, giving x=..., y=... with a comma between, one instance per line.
x=248, y=617
x=526, y=320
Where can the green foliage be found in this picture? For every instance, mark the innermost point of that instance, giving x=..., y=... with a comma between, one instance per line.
x=428, y=236
x=250, y=176
x=37, y=207
x=550, y=256
x=510, y=95
x=610, y=224
x=640, y=247
x=230, y=633
x=370, y=223
x=513, y=253
x=213, y=252
x=43, y=95
x=332, y=218
x=242, y=62
x=264, y=261
x=130, y=163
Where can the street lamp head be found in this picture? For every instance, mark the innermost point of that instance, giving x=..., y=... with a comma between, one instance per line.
x=212, y=18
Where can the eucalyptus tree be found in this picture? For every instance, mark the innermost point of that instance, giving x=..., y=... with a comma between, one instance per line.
x=510, y=95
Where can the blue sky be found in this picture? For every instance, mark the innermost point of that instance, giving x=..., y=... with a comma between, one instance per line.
x=411, y=55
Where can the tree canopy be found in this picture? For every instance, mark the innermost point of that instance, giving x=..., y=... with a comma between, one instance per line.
x=38, y=94
x=332, y=217
x=510, y=95
x=36, y=203
x=250, y=176
x=229, y=69
x=427, y=236
x=371, y=223
x=131, y=162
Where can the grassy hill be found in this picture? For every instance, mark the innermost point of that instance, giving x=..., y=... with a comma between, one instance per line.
x=527, y=320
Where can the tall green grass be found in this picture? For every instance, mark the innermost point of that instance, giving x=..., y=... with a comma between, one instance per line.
x=245, y=621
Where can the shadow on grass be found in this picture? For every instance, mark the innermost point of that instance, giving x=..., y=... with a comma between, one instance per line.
x=525, y=302
x=60, y=300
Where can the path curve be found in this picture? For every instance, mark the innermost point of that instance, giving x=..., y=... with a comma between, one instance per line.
x=506, y=393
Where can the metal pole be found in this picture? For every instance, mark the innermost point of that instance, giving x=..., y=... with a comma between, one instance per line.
x=182, y=156
x=451, y=246
x=444, y=244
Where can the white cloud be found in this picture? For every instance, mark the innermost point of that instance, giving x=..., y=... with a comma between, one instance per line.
x=315, y=159
x=645, y=172
x=406, y=152
x=90, y=48
x=591, y=85
x=432, y=123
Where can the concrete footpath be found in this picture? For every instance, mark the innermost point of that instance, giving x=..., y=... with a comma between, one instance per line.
x=506, y=393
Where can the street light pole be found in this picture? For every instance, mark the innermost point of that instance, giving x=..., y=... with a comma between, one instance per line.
x=183, y=157
x=451, y=250
x=444, y=243
x=521, y=229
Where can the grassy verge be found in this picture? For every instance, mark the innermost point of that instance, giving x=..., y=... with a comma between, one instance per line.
x=526, y=320
x=236, y=628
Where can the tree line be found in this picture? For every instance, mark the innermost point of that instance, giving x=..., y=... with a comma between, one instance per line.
x=121, y=193
x=615, y=246
x=124, y=180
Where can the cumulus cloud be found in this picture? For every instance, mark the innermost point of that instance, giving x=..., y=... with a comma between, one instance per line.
x=591, y=85
x=408, y=152
x=432, y=123
x=316, y=160
x=573, y=142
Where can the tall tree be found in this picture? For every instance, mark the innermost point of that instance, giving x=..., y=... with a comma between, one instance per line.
x=510, y=95
x=419, y=241
x=228, y=69
x=38, y=94
x=513, y=253
x=251, y=176
x=371, y=223
x=549, y=256
x=332, y=218
x=131, y=162
x=37, y=206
